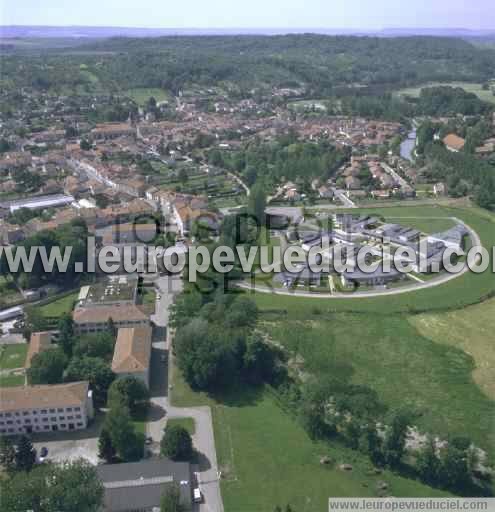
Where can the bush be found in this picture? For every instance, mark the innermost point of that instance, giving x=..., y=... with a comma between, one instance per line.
x=176, y=443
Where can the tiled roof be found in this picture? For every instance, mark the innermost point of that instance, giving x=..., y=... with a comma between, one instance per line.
x=38, y=397
x=101, y=314
x=454, y=142
x=132, y=350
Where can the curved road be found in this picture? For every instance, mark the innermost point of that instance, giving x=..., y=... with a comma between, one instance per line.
x=359, y=295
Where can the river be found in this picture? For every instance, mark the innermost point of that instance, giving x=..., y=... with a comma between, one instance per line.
x=407, y=146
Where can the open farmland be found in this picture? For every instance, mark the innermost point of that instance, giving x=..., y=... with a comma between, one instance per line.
x=485, y=95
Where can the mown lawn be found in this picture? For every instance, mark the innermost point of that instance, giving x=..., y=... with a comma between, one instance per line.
x=467, y=86
x=471, y=330
x=10, y=381
x=267, y=459
x=187, y=423
x=13, y=356
x=142, y=95
x=60, y=306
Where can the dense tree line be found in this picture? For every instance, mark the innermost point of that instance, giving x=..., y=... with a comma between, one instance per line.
x=324, y=63
x=329, y=408
x=286, y=157
x=71, y=236
x=45, y=487
x=446, y=100
x=463, y=172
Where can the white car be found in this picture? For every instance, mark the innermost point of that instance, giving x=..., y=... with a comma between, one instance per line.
x=197, y=496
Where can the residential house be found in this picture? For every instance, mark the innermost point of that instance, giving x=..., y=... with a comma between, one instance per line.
x=453, y=142
x=112, y=131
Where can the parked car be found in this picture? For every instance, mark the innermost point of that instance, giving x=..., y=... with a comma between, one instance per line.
x=43, y=454
x=197, y=496
x=148, y=440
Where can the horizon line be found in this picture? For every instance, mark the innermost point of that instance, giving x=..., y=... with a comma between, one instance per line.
x=392, y=27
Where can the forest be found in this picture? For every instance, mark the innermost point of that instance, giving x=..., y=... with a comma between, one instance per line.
x=325, y=64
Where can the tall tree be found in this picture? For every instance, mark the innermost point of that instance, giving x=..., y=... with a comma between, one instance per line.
x=428, y=463
x=176, y=443
x=74, y=486
x=65, y=328
x=96, y=371
x=127, y=442
x=130, y=392
x=106, y=450
x=47, y=367
x=395, y=440
x=25, y=455
x=111, y=327
x=7, y=454
x=257, y=203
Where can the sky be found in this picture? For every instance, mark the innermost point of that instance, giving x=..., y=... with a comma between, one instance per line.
x=350, y=14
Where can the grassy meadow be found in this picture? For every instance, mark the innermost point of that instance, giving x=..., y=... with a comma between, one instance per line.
x=430, y=351
x=467, y=86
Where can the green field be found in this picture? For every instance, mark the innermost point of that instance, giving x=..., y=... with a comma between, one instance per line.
x=187, y=423
x=255, y=441
x=469, y=87
x=438, y=364
x=13, y=356
x=10, y=381
x=406, y=368
x=60, y=306
x=471, y=330
x=269, y=460
x=142, y=95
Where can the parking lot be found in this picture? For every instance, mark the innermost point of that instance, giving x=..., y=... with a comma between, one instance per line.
x=63, y=446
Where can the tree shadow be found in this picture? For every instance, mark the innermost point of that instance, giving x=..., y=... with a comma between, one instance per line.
x=201, y=460
x=155, y=413
x=242, y=394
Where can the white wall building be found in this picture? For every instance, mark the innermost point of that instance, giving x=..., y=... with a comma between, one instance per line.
x=28, y=409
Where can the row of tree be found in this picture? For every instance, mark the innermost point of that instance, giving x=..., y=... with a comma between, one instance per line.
x=332, y=409
x=46, y=487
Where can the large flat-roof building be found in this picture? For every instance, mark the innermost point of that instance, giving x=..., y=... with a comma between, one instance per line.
x=139, y=486
x=113, y=298
x=132, y=353
x=39, y=202
x=95, y=319
x=28, y=409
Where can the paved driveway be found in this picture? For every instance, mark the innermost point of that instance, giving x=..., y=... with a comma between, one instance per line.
x=64, y=446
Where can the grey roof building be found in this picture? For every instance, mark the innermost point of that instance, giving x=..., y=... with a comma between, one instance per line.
x=453, y=237
x=140, y=485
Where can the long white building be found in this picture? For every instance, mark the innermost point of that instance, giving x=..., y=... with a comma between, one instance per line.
x=28, y=409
